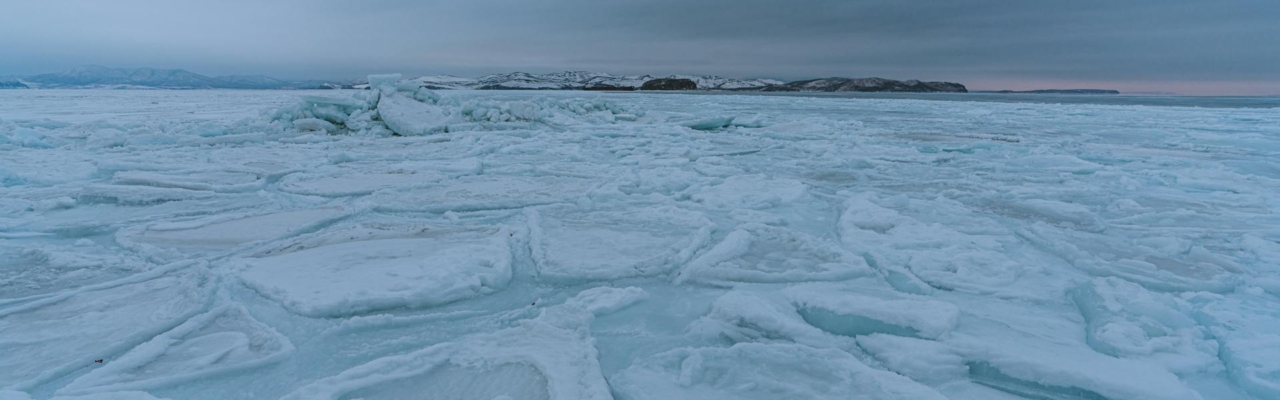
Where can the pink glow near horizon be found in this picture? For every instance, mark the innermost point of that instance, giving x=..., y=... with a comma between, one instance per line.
x=1192, y=88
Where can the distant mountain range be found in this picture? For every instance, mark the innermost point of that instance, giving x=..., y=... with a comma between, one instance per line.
x=95, y=77
x=582, y=80
x=867, y=85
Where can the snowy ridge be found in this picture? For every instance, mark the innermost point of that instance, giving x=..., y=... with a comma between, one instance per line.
x=99, y=77
x=577, y=80
x=400, y=241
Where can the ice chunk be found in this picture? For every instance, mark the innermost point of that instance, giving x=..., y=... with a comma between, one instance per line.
x=979, y=271
x=749, y=316
x=50, y=337
x=823, y=315
x=1252, y=363
x=1044, y=370
x=987, y=375
x=852, y=314
x=1248, y=328
x=384, y=82
x=568, y=243
x=346, y=102
x=918, y=359
x=1142, y=261
x=752, y=191
x=408, y=117
x=23, y=137
x=1125, y=320
x=709, y=123
x=763, y=253
x=314, y=124
x=762, y=371
x=349, y=272
x=35, y=270
x=224, y=340
x=906, y=249
x=549, y=357
x=605, y=300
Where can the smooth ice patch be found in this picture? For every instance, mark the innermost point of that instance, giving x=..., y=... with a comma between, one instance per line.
x=569, y=243
x=1043, y=369
x=224, y=232
x=48, y=338
x=353, y=272
x=222, y=341
x=451, y=382
x=762, y=371
x=551, y=356
x=484, y=192
x=31, y=270
x=355, y=183
x=126, y=395
x=216, y=180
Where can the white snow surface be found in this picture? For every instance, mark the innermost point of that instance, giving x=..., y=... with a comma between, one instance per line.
x=398, y=243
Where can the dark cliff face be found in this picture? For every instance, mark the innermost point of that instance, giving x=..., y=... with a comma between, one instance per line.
x=867, y=85
x=670, y=84
x=12, y=85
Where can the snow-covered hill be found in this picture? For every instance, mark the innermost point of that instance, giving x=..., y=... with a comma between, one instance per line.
x=867, y=85
x=8, y=83
x=577, y=80
x=95, y=76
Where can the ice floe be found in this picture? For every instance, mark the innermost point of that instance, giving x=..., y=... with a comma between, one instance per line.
x=372, y=268
x=568, y=243
x=398, y=242
x=224, y=340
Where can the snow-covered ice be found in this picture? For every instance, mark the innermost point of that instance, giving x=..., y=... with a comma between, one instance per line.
x=400, y=242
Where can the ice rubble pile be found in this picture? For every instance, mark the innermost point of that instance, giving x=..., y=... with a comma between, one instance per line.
x=407, y=108
x=539, y=246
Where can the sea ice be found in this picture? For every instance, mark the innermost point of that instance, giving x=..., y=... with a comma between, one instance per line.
x=224, y=340
x=762, y=371
x=367, y=269
x=763, y=253
x=53, y=336
x=569, y=243
x=399, y=242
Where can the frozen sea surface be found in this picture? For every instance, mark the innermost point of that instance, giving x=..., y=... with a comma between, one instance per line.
x=404, y=244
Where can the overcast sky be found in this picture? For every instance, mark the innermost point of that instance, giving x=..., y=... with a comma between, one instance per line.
x=1185, y=46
